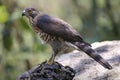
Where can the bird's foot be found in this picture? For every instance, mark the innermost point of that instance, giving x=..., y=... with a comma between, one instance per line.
x=50, y=61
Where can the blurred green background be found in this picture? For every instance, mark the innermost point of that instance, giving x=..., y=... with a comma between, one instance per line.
x=20, y=47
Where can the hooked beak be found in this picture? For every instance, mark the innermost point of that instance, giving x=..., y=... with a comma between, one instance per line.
x=23, y=13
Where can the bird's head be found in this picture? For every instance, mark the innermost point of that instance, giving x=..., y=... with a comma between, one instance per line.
x=30, y=12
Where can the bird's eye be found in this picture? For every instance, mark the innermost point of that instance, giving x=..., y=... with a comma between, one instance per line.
x=30, y=11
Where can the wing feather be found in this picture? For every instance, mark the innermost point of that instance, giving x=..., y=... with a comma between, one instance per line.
x=58, y=28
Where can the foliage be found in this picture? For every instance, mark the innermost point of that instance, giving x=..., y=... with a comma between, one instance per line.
x=96, y=20
x=4, y=14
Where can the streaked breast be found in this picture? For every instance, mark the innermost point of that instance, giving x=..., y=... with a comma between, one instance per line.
x=46, y=37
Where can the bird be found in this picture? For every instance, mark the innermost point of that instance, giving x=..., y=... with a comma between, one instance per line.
x=60, y=35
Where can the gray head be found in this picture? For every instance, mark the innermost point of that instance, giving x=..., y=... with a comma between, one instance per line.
x=30, y=12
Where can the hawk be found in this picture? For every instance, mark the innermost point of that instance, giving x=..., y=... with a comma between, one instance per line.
x=59, y=35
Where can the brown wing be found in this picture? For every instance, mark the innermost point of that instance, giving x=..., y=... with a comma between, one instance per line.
x=58, y=28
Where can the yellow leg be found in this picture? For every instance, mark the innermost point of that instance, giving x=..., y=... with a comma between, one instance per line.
x=51, y=60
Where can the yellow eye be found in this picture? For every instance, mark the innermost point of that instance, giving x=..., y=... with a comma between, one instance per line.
x=30, y=11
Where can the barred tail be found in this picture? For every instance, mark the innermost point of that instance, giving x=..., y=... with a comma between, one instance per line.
x=89, y=51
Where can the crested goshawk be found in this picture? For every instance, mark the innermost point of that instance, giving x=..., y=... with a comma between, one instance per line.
x=59, y=34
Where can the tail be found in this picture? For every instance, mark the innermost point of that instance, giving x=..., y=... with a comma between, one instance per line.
x=89, y=51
